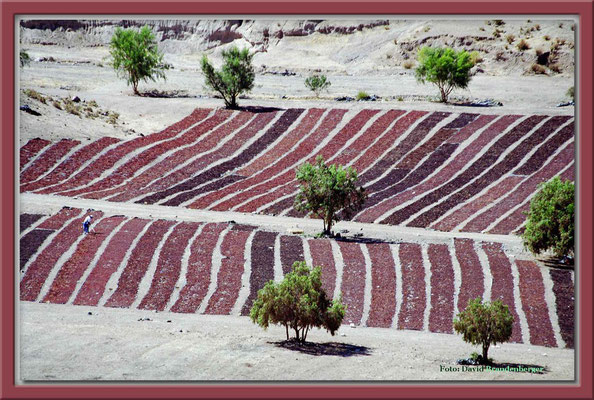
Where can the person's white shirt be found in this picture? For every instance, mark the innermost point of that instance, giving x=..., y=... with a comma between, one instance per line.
x=88, y=219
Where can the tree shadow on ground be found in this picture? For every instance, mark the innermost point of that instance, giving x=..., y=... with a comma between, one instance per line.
x=165, y=94
x=324, y=349
x=558, y=262
x=360, y=239
x=258, y=109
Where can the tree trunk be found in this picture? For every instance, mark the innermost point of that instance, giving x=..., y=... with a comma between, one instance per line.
x=135, y=88
x=485, y=352
x=328, y=223
x=287, y=331
x=233, y=103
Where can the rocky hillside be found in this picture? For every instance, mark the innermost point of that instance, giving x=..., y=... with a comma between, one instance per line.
x=514, y=46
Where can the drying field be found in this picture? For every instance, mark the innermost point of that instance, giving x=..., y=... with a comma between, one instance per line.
x=441, y=171
x=217, y=268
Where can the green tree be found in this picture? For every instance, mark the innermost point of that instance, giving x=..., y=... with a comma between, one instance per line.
x=550, y=223
x=235, y=77
x=136, y=56
x=327, y=189
x=317, y=83
x=24, y=58
x=484, y=324
x=298, y=302
x=444, y=67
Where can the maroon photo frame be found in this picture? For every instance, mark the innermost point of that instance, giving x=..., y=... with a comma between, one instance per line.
x=581, y=388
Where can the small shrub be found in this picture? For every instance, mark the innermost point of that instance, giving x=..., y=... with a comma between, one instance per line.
x=560, y=24
x=317, y=83
x=538, y=69
x=498, y=22
x=113, y=118
x=475, y=57
x=408, y=64
x=571, y=93
x=57, y=104
x=481, y=29
x=510, y=38
x=298, y=302
x=537, y=27
x=523, y=45
x=24, y=58
x=93, y=103
x=500, y=56
x=362, y=95
x=555, y=68
x=35, y=95
x=426, y=29
x=550, y=221
x=538, y=52
x=326, y=189
x=546, y=37
x=71, y=107
x=497, y=33
x=400, y=98
x=484, y=324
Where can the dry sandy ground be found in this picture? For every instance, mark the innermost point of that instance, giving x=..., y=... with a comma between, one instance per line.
x=518, y=94
x=76, y=343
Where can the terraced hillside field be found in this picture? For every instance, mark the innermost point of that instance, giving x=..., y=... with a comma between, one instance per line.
x=438, y=171
x=442, y=171
x=217, y=268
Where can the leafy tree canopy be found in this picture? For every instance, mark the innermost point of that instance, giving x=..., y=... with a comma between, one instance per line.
x=550, y=224
x=444, y=67
x=298, y=302
x=327, y=189
x=236, y=76
x=136, y=56
x=484, y=324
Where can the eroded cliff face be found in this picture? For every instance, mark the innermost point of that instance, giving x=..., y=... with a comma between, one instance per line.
x=335, y=46
x=203, y=34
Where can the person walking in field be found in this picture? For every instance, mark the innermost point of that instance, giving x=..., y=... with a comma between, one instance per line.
x=87, y=224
